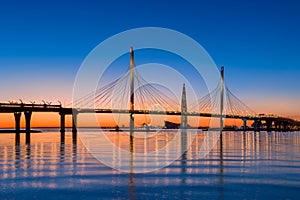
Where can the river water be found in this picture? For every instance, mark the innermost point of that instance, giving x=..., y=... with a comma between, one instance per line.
x=243, y=166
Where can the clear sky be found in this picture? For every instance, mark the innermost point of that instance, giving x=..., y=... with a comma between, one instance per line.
x=42, y=44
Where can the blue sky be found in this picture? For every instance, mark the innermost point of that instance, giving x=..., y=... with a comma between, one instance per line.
x=42, y=43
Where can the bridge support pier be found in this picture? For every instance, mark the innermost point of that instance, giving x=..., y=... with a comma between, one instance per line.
x=285, y=126
x=74, y=125
x=269, y=124
x=62, y=126
x=17, y=126
x=27, y=122
x=277, y=126
x=131, y=124
x=245, y=124
x=257, y=124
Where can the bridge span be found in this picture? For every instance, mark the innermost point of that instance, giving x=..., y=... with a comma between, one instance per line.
x=229, y=106
x=271, y=122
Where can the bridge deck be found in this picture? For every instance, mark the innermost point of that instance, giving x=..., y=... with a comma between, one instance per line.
x=22, y=107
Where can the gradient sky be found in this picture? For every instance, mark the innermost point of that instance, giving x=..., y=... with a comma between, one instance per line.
x=42, y=44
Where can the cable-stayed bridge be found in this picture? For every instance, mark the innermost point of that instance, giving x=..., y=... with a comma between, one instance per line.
x=131, y=94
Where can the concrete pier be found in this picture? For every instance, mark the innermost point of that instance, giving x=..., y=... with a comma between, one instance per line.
x=244, y=124
x=17, y=126
x=27, y=122
x=74, y=125
x=62, y=126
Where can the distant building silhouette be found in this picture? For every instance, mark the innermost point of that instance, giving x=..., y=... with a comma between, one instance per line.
x=172, y=125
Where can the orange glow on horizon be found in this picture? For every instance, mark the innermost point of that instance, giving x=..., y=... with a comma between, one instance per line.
x=7, y=120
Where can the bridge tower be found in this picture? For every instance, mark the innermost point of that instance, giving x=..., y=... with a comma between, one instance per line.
x=131, y=109
x=222, y=98
x=183, y=108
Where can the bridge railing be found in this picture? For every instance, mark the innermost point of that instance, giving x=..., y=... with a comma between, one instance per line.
x=24, y=105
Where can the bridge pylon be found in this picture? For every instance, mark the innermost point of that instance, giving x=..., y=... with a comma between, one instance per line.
x=183, y=108
x=222, y=98
x=131, y=109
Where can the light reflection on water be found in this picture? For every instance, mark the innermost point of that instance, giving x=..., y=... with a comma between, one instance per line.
x=250, y=165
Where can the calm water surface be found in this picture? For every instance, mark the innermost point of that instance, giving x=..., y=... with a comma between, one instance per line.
x=245, y=166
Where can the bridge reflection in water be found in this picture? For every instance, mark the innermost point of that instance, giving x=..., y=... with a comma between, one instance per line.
x=239, y=163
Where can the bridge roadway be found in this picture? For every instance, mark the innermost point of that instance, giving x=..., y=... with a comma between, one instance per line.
x=271, y=122
x=22, y=107
x=195, y=114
